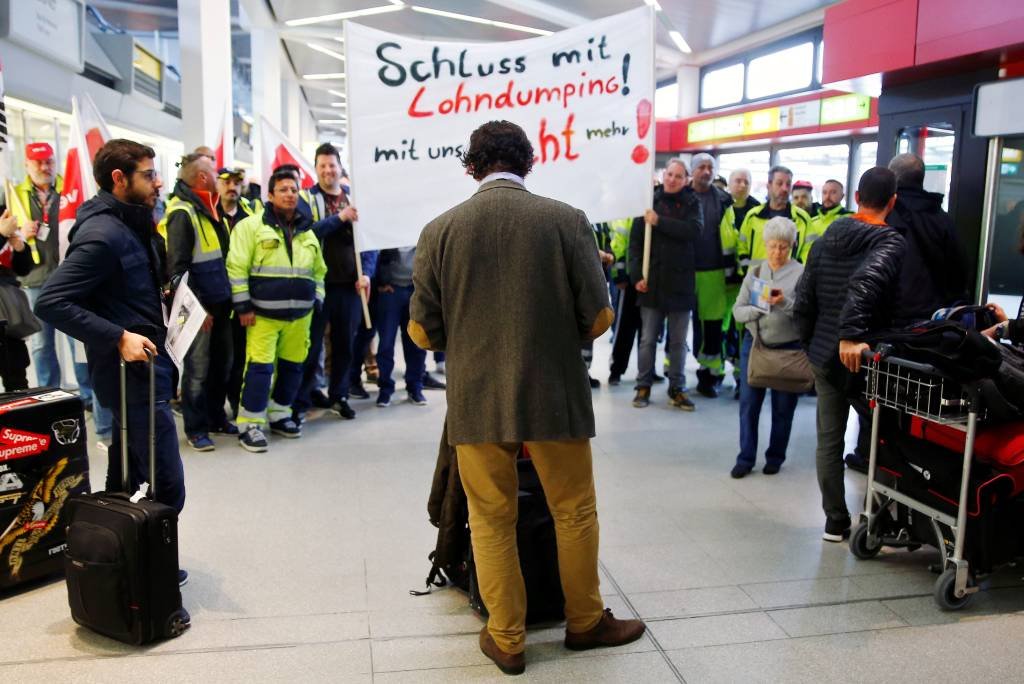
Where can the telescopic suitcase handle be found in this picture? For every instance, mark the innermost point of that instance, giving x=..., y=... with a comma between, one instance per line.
x=150, y=361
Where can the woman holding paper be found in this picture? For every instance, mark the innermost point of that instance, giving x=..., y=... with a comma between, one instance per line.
x=765, y=307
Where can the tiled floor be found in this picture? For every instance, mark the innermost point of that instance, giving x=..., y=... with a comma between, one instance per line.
x=302, y=559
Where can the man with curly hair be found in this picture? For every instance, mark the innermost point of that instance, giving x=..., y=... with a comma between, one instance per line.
x=510, y=285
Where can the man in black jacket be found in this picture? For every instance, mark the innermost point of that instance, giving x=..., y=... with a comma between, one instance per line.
x=107, y=293
x=197, y=244
x=934, y=274
x=844, y=295
x=669, y=290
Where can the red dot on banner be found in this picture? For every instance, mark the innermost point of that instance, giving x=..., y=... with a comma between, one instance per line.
x=640, y=154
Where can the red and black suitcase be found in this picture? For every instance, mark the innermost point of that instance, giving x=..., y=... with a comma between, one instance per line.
x=43, y=463
x=122, y=555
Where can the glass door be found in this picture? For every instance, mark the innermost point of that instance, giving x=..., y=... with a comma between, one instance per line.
x=1006, y=265
x=933, y=143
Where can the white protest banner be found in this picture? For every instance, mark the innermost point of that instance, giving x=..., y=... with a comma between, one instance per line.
x=584, y=97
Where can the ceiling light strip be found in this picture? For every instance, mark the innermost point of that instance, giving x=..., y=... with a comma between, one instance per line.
x=324, y=77
x=338, y=16
x=478, y=20
x=326, y=51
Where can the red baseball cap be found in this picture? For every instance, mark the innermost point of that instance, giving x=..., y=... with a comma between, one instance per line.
x=803, y=185
x=38, y=151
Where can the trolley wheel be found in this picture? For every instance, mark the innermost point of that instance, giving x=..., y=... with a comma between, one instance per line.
x=859, y=545
x=944, y=591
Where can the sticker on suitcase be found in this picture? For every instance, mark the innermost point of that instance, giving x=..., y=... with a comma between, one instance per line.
x=55, y=395
x=38, y=516
x=21, y=444
x=66, y=431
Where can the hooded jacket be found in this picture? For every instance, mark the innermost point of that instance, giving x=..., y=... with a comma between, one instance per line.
x=848, y=287
x=934, y=273
x=109, y=282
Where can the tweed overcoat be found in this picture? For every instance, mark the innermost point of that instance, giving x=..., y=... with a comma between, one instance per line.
x=510, y=285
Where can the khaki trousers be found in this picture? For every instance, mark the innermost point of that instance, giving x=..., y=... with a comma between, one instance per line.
x=490, y=479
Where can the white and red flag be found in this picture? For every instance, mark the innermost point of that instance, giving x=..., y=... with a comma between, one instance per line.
x=88, y=134
x=276, y=149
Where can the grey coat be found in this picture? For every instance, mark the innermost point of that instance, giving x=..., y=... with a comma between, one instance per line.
x=509, y=284
x=777, y=326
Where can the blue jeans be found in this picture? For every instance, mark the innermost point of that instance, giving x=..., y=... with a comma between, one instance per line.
x=343, y=310
x=43, y=347
x=393, y=320
x=751, y=399
x=170, y=473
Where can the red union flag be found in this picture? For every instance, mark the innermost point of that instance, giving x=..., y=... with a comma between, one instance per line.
x=276, y=149
x=88, y=133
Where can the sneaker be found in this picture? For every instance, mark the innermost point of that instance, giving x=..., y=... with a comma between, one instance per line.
x=739, y=470
x=855, y=462
x=430, y=382
x=357, y=391
x=286, y=427
x=228, y=428
x=771, y=468
x=182, y=578
x=614, y=379
x=610, y=631
x=836, y=530
x=594, y=383
x=642, y=397
x=318, y=399
x=678, y=398
x=416, y=397
x=342, y=408
x=383, y=399
x=298, y=417
x=102, y=446
x=253, y=439
x=201, y=442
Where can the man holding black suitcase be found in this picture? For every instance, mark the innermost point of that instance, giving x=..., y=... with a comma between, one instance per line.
x=107, y=293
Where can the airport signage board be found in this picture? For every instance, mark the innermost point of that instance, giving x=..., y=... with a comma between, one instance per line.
x=52, y=28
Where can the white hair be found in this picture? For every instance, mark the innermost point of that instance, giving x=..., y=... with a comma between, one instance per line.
x=702, y=157
x=745, y=172
x=780, y=228
x=678, y=160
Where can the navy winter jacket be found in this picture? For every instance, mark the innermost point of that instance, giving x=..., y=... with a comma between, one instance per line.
x=109, y=282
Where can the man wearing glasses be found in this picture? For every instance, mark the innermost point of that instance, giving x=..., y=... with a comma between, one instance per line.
x=107, y=293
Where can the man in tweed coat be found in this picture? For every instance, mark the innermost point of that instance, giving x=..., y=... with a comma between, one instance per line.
x=509, y=284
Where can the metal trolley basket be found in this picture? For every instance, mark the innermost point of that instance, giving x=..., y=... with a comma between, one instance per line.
x=917, y=389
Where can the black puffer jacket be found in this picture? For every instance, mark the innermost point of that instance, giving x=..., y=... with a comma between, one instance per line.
x=848, y=288
x=934, y=271
x=671, y=283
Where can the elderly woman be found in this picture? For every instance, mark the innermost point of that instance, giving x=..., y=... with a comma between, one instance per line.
x=774, y=329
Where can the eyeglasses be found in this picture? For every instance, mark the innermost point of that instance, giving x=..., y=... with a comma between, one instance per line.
x=150, y=174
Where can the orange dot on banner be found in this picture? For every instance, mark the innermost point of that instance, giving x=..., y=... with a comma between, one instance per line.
x=640, y=154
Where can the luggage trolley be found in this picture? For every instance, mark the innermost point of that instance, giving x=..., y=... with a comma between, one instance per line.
x=917, y=389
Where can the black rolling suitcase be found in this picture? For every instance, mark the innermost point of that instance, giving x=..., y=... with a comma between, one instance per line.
x=122, y=555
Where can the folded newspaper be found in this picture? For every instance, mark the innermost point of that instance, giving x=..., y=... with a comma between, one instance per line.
x=183, y=321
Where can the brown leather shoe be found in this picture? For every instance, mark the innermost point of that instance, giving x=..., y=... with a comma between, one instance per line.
x=610, y=631
x=509, y=663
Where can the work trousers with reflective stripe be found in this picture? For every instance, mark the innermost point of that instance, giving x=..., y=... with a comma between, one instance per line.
x=489, y=476
x=707, y=324
x=272, y=344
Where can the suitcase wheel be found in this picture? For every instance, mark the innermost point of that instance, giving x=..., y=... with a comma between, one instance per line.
x=177, y=624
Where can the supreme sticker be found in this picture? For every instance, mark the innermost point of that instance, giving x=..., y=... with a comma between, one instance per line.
x=20, y=444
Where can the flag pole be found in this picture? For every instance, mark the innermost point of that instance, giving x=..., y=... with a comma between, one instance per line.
x=364, y=295
x=648, y=229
